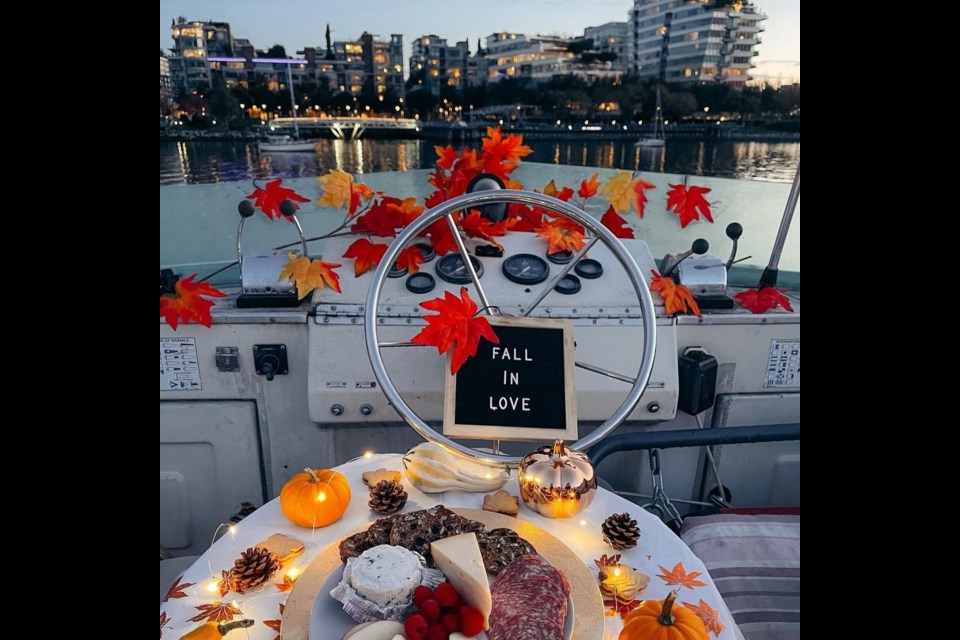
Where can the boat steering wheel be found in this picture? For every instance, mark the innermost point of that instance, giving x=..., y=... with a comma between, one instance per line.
x=474, y=200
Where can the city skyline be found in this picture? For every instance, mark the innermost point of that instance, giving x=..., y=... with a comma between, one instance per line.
x=778, y=59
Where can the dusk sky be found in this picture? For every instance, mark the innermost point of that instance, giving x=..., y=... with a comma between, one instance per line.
x=299, y=23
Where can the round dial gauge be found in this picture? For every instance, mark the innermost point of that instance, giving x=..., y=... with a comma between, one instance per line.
x=426, y=251
x=525, y=268
x=569, y=285
x=589, y=269
x=560, y=257
x=420, y=282
x=453, y=269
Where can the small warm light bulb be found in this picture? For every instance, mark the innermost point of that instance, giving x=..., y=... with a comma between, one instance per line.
x=232, y=530
x=368, y=454
x=293, y=572
x=212, y=585
x=616, y=572
x=322, y=496
x=583, y=523
x=489, y=475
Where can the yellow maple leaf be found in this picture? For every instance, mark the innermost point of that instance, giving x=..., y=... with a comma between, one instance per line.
x=677, y=298
x=551, y=189
x=310, y=274
x=560, y=236
x=337, y=189
x=624, y=191
x=408, y=210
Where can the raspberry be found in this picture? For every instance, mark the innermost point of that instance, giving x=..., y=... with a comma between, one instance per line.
x=450, y=622
x=416, y=627
x=437, y=632
x=471, y=621
x=422, y=593
x=430, y=610
x=446, y=595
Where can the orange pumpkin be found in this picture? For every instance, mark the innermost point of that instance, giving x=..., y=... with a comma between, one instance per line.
x=315, y=498
x=661, y=621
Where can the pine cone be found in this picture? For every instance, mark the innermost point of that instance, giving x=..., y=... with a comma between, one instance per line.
x=387, y=497
x=620, y=531
x=254, y=567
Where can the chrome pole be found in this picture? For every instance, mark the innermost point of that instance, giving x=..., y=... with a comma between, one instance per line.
x=770, y=273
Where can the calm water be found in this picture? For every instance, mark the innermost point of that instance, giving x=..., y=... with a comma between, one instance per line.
x=205, y=162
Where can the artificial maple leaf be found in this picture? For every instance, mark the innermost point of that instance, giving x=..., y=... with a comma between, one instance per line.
x=285, y=585
x=405, y=212
x=679, y=576
x=514, y=184
x=186, y=305
x=477, y=226
x=309, y=274
x=501, y=155
x=605, y=561
x=470, y=163
x=525, y=218
x=445, y=156
x=268, y=199
x=441, y=238
x=382, y=219
x=216, y=612
x=410, y=258
x=563, y=194
x=337, y=189
x=275, y=624
x=455, y=327
x=621, y=607
x=763, y=300
x=624, y=191
x=588, y=188
x=676, y=298
x=225, y=583
x=559, y=236
x=177, y=590
x=709, y=616
x=367, y=255
x=617, y=225
x=358, y=193
x=688, y=204
x=164, y=622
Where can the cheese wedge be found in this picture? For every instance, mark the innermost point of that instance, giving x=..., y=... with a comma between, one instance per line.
x=459, y=559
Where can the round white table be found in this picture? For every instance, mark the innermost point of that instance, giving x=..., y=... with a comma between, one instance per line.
x=194, y=598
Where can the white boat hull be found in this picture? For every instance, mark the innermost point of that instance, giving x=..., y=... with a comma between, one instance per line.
x=288, y=146
x=650, y=142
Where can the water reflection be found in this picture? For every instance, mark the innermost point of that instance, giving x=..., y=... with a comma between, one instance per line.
x=205, y=162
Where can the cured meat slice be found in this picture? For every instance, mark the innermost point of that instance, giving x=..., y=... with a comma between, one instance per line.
x=529, y=601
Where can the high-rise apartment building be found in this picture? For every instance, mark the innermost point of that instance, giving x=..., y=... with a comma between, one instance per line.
x=435, y=64
x=611, y=38
x=694, y=40
x=193, y=43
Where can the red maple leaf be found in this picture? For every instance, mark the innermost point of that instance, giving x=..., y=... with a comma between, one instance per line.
x=186, y=305
x=411, y=258
x=268, y=200
x=526, y=218
x=216, y=612
x=476, y=226
x=689, y=204
x=441, y=238
x=177, y=590
x=616, y=224
x=679, y=576
x=588, y=188
x=455, y=327
x=709, y=615
x=763, y=300
x=621, y=607
x=382, y=219
x=367, y=255
x=275, y=624
x=445, y=156
x=164, y=622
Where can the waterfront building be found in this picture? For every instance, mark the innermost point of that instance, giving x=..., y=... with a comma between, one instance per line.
x=682, y=41
x=536, y=59
x=166, y=83
x=193, y=43
x=435, y=64
x=611, y=38
x=367, y=61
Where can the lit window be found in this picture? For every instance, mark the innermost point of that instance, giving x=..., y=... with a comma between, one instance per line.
x=434, y=73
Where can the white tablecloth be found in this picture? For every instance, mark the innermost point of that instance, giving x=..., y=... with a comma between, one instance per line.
x=658, y=547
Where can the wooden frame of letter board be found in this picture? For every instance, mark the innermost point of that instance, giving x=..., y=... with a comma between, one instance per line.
x=491, y=432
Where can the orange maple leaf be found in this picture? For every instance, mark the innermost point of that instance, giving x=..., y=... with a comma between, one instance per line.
x=624, y=191
x=477, y=226
x=709, y=616
x=275, y=624
x=563, y=194
x=621, y=607
x=688, y=204
x=455, y=327
x=177, y=590
x=358, y=193
x=763, y=300
x=497, y=149
x=186, y=305
x=679, y=576
x=268, y=199
x=588, y=188
x=216, y=612
x=612, y=221
x=445, y=156
x=405, y=212
x=309, y=274
x=559, y=236
x=285, y=585
x=411, y=258
x=367, y=255
x=337, y=189
x=470, y=163
x=676, y=298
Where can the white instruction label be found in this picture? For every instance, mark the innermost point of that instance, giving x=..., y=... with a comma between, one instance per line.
x=783, y=365
x=179, y=365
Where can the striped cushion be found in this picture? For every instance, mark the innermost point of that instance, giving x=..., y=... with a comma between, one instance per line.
x=755, y=562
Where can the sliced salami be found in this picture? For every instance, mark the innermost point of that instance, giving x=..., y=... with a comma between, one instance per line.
x=529, y=601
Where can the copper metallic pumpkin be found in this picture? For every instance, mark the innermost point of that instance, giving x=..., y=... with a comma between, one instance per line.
x=556, y=481
x=662, y=620
x=315, y=498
